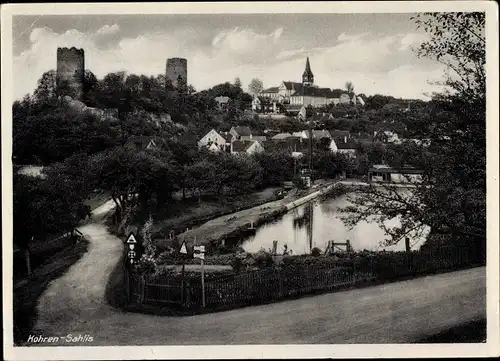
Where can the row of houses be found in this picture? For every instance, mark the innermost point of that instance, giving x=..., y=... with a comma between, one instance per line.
x=244, y=140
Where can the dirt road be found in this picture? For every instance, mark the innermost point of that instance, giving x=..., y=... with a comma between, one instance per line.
x=399, y=312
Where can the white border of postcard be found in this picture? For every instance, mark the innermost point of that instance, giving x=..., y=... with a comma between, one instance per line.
x=490, y=348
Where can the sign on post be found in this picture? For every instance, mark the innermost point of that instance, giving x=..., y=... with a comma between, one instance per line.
x=131, y=242
x=183, y=249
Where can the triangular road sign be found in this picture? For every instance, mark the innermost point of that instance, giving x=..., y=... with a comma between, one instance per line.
x=131, y=239
x=183, y=249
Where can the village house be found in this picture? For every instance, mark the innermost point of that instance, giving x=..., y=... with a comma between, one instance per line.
x=245, y=133
x=139, y=143
x=384, y=173
x=246, y=147
x=270, y=93
x=340, y=136
x=263, y=105
x=223, y=101
x=348, y=148
x=215, y=141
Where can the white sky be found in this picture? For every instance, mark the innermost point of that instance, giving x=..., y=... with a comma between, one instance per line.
x=371, y=50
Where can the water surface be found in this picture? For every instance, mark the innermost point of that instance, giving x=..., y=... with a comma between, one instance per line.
x=315, y=223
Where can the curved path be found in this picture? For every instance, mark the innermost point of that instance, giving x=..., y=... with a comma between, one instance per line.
x=398, y=312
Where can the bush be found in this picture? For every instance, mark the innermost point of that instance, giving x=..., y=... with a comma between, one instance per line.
x=315, y=252
x=299, y=182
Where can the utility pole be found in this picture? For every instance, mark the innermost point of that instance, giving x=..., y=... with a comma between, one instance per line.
x=310, y=147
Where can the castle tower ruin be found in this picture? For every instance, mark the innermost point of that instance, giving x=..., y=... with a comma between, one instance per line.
x=70, y=72
x=177, y=72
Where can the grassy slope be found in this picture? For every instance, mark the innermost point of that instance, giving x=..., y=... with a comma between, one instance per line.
x=26, y=293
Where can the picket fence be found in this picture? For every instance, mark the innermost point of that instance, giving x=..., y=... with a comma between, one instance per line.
x=273, y=284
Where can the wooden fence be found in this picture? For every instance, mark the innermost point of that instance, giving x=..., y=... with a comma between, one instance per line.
x=277, y=283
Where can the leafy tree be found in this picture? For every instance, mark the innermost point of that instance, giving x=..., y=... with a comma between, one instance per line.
x=133, y=179
x=255, y=86
x=349, y=87
x=237, y=82
x=451, y=198
x=277, y=167
x=46, y=89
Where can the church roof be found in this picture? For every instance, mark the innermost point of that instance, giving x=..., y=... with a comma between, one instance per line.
x=307, y=71
x=290, y=85
x=274, y=89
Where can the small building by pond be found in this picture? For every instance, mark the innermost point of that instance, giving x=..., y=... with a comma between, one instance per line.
x=384, y=173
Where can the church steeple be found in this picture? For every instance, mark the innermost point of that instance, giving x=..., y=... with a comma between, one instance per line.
x=308, y=77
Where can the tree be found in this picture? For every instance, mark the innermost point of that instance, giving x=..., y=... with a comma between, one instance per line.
x=46, y=89
x=451, y=199
x=349, y=87
x=255, y=86
x=237, y=82
x=133, y=179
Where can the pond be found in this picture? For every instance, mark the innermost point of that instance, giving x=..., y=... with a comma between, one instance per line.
x=315, y=223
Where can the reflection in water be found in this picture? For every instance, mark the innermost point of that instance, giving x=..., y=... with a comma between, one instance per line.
x=305, y=221
x=314, y=224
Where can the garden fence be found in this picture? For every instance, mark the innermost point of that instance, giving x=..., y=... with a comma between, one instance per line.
x=277, y=283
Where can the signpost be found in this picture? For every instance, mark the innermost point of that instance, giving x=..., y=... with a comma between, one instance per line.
x=183, y=251
x=199, y=252
x=132, y=250
x=131, y=253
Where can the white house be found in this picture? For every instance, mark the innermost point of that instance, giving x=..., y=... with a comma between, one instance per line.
x=384, y=173
x=213, y=141
x=223, y=101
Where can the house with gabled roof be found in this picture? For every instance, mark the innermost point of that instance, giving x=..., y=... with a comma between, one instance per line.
x=214, y=141
x=223, y=101
x=246, y=147
x=241, y=133
x=348, y=148
x=139, y=143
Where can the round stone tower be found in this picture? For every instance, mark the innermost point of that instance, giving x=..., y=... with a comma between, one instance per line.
x=177, y=72
x=70, y=72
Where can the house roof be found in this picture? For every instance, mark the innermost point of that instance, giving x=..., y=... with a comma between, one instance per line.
x=142, y=142
x=273, y=89
x=242, y=131
x=290, y=85
x=242, y=145
x=226, y=135
x=222, y=99
x=339, y=133
x=319, y=134
x=348, y=145
x=282, y=136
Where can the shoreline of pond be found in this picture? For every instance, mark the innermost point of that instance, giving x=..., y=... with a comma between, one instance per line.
x=235, y=237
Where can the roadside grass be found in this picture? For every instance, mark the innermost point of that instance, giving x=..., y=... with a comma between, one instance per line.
x=471, y=332
x=27, y=292
x=190, y=213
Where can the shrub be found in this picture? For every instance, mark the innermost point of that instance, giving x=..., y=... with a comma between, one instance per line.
x=315, y=252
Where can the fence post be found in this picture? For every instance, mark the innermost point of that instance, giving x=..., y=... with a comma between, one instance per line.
x=142, y=288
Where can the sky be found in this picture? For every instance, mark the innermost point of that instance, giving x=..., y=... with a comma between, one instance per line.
x=373, y=51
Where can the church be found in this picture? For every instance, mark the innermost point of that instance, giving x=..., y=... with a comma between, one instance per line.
x=296, y=95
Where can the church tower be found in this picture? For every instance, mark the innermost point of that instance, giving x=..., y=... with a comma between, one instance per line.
x=308, y=77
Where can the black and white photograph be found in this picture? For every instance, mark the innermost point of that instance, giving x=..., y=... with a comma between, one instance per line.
x=299, y=179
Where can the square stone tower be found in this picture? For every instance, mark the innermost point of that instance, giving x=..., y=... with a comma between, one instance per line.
x=70, y=72
x=177, y=72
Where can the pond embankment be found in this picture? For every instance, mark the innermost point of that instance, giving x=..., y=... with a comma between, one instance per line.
x=233, y=227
